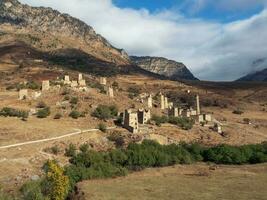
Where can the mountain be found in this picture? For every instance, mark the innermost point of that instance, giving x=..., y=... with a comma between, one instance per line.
x=48, y=30
x=162, y=66
x=256, y=76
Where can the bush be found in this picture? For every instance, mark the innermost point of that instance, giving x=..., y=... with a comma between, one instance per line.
x=104, y=112
x=55, y=150
x=183, y=122
x=238, y=112
x=41, y=105
x=134, y=91
x=74, y=100
x=102, y=127
x=43, y=113
x=32, y=191
x=11, y=112
x=159, y=119
x=75, y=114
x=84, y=148
x=71, y=150
x=66, y=98
x=58, y=116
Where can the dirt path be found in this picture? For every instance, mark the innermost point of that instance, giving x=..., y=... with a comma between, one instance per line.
x=53, y=138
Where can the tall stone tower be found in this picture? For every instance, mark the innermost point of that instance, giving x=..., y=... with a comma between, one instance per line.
x=150, y=102
x=198, y=104
x=162, y=102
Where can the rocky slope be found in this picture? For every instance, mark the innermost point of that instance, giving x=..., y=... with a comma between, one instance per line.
x=49, y=30
x=256, y=76
x=162, y=66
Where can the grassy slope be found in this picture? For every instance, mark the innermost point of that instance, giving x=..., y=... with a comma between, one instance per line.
x=185, y=183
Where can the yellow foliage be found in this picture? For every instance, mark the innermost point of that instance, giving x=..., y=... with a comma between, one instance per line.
x=58, y=182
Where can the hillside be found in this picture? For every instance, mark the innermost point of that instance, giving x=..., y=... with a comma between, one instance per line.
x=256, y=76
x=162, y=66
x=49, y=30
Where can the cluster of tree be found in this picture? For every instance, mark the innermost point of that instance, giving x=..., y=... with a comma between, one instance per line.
x=183, y=122
x=105, y=112
x=90, y=164
x=87, y=164
x=11, y=112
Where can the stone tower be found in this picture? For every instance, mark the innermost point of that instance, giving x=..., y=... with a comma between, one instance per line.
x=110, y=92
x=80, y=77
x=198, y=104
x=150, y=102
x=45, y=85
x=166, y=102
x=162, y=102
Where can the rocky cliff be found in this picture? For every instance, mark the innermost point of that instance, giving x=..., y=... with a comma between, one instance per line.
x=162, y=66
x=49, y=30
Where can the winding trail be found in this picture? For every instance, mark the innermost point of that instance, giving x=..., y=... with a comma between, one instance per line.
x=53, y=138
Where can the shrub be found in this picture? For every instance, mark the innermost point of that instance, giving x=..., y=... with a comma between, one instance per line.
x=84, y=148
x=102, y=127
x=104, y=112
x=134, y=91
x=41, y=105
x=159, y=119
x=115, y=84
x=65, y=91
x=74, y=100
x=43, y=113
x=75, y=114
x=238, y=112
x=58, y=116
x=71, y=150
x=55, y=150
x=117, y=139
x=183, y=122
x=32, y=191
x=246, y=120
x=66, y=98
x=33, y=85
x=11, y=112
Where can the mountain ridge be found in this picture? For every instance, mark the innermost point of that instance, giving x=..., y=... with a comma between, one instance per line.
x=163, y=66
x=44, y=22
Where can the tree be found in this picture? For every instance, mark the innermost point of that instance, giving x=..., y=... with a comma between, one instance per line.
x=56, y=183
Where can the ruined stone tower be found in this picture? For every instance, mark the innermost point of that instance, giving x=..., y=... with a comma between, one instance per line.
x=45, y=85
x=162, y=102
x=197, y=105
x=150, y=101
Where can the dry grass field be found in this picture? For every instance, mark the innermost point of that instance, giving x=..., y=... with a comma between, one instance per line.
x=191, y=182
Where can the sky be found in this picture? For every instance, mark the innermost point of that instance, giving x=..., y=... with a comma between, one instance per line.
x=218, y=40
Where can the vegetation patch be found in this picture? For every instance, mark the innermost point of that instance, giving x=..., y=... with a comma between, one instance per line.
x=183, y=122
x=105, y=112
x=11, y=112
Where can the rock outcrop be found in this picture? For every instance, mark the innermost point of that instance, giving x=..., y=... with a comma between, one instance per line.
x=164, y=67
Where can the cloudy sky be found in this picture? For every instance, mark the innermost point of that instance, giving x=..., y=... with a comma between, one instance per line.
x=217, y=40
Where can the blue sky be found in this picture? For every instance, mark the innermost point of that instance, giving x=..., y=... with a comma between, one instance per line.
x=197, y=8
x=217, y=40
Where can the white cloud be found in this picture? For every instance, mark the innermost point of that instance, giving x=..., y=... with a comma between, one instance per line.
x=213, y=51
